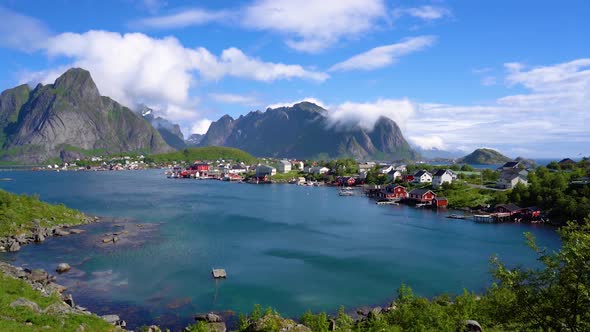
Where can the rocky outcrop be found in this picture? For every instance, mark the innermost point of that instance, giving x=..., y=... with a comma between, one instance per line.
x=69, y=118
x=304, y=131
x=38, y=234
x=44, y=283
x=274, y=322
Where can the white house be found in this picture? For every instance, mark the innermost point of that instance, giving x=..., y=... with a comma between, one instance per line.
x=394, y=174
x=386, y=169
x=441, y=176
x=284, y=166
x=422, y=177
x=366, y=166
x=319, y=170
x=509, y=179
x=237, y=169
x=401, y=168
x=262, y=170
x=297, y=164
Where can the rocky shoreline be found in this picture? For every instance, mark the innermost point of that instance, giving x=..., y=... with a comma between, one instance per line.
x=38, y=234
x=44, y=283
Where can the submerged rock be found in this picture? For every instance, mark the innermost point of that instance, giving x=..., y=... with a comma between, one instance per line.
x=63, y=267
x=60, y=232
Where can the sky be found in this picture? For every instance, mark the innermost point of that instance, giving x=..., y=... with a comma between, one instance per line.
x=455, y=75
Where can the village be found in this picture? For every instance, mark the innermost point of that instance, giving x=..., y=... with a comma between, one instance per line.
x=387, y=184
x=483, y=195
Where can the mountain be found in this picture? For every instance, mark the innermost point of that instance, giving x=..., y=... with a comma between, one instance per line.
x=169, y=131
x=194, y=140
x=484, y=157
x=303, y=131
x=69, y=119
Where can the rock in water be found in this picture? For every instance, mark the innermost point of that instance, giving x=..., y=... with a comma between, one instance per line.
x=14, y=246
x=219, y=273
x=63, y=267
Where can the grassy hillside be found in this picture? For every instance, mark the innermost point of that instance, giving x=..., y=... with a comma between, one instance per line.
x=17, y=213
x=23, y=318
x=202, y=153
x=484, y=157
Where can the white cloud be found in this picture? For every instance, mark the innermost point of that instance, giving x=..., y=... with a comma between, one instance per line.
x=383, y=56
x=365, y=115
x=230, y=98
x=134, y=68
x=21, y=32
x=234, y=62
x=550, y=120
x=196, y=16
x=289, y=104
x=428, y=142
x=201, y=127
x=315, y=25
x=426, y=13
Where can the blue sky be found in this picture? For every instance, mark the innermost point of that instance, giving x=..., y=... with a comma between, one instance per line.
x=455, y=75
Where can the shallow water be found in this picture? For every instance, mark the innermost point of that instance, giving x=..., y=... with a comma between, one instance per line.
x=290, y=247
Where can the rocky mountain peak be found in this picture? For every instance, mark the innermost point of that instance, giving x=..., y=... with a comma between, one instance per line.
x=77, y=83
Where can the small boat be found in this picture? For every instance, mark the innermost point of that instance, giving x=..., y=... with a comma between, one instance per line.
x=345, y=192
x=456, y=216
x=387, y=202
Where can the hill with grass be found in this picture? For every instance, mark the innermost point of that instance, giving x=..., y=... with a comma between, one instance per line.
x=484, y=157
x=20, y=213
x=202, y=153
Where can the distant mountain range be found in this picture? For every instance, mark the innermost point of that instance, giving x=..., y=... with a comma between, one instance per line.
x=303, y=131
x=169, y=131
x=69, y=119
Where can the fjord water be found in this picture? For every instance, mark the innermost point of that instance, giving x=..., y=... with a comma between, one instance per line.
x=290, y=247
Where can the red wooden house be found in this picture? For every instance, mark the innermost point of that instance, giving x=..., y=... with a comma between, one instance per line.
x=422, y=195
x=408, y=178
x=440, y=202
x=396, y=192
x=509, y=208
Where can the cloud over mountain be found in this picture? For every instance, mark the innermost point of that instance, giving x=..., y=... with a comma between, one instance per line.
x=159, y=72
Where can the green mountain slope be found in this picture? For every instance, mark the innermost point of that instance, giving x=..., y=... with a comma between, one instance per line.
x=484, y=157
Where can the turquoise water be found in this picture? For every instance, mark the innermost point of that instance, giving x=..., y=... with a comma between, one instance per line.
x=290, y=247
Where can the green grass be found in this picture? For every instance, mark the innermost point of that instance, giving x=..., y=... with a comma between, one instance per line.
x=287, y=176
x=16, y=319
x=17, y=213
x=87, y=153
x=461, y=195
x=203, y=153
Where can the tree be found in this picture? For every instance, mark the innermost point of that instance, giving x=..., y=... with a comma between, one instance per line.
x=557, y=296
x=467, y=168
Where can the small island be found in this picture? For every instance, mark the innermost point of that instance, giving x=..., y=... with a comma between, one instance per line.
x=484, y=156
